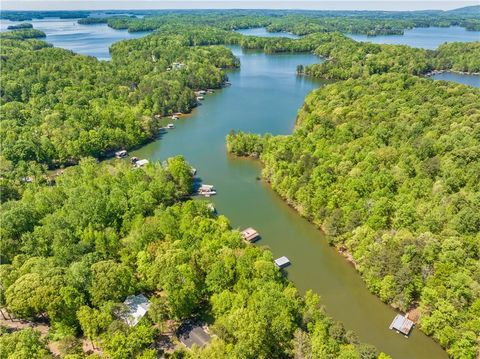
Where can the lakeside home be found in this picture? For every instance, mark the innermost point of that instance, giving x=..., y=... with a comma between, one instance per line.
x=137, y=308
x=194, y=335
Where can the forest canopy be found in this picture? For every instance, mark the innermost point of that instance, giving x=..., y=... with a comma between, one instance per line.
x=387, y=163
x=388, y=166
x=72, y=253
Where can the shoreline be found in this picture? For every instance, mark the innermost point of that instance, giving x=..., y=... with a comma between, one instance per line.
x=343, y=252
x=438, y=72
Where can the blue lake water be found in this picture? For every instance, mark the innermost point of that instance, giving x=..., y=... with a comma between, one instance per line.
x=91, y=40
x=262, y=32
x=471, y=80
x=264, y=97
x=423, y=37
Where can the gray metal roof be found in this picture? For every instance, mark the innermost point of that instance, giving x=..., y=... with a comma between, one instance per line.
x=282, y=262
x=196, y=336
x=402, y=324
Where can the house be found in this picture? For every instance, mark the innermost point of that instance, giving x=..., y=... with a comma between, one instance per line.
x=141, y=163
x=282, y=262
x=195, y=335
x=250, y=235
x=137, y=307
x=402, y=325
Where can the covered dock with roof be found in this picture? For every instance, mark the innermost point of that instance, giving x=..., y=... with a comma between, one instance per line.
x=250, y=234
x=402, y=324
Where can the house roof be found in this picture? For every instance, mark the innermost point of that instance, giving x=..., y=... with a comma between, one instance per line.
x=137, y=308
x=197, y=335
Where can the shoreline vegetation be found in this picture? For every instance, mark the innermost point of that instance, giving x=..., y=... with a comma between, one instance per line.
x=72, y=253
x=371, y=23
x=363, y=168
x=67, y=107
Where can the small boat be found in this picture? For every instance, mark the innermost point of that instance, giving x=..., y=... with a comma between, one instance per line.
x=121, y=154
x=201, y=92
x=133, y=160
x=200, y=98
x=178, y=114
x=210, y=91
x=194, y=171
x=170, y=125
x=174, y=117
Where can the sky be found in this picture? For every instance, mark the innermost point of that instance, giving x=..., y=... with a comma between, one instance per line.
x=235, y=4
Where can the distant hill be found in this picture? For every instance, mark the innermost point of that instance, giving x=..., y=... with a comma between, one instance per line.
x=468, y=10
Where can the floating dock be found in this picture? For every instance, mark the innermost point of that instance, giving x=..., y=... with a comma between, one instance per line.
x=207, y=190
x=282, y=262
x=250, y=235
x=402, y=325
x=121, y=154
x=141, y=163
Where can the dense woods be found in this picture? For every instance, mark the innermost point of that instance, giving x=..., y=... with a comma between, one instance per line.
x=23, y=25
x=298, y=22
x=458, y=56
x=73, y=252
x=58, y=106
x=388, y=167
x=386, y=163
x=21, y=34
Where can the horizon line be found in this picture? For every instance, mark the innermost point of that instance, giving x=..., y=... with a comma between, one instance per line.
x=342, y=5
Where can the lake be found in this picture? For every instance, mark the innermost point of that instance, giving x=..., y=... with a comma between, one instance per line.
x=423, y=37
x=429, y=38
x=264, y=97
x=262, y=32
x=471, y=80
x=91, y=40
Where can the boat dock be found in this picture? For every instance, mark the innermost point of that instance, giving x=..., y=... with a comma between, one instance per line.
x=282, y=262
x=121, y=154
x=207, y=190
x=250, y=235
x=402, y=325
x=141, y=163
